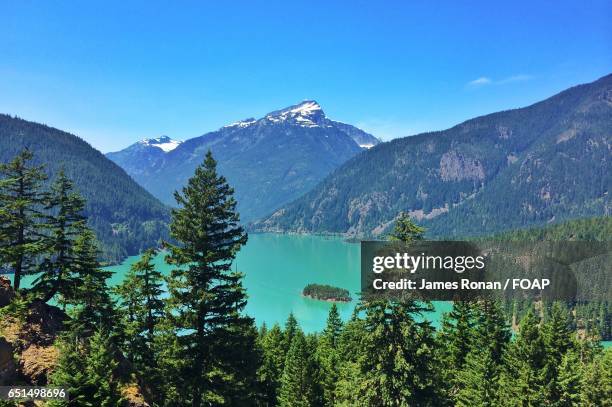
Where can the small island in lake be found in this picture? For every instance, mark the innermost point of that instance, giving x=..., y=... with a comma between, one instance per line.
x=326, y=293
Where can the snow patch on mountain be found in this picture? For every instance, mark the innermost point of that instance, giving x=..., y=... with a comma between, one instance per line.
x=165, y=143
x=305, y=114
x=242, y=123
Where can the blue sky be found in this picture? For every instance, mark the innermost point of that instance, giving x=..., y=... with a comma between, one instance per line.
x=116, y=72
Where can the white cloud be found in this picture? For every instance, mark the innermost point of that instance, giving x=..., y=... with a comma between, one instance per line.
x=484, y=80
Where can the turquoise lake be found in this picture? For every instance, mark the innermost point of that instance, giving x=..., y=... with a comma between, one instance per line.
x=277, y=267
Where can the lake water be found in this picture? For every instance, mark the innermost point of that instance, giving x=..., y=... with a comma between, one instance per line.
x=277, y=267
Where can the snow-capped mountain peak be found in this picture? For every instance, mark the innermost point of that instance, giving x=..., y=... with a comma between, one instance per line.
x=164, y=143
x=305, y=114
x=242, y=123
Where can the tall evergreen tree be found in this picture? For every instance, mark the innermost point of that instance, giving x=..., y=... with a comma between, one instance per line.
x=142, y=309
x=479, y=379
x=65, y=222
x=492, y=328
x=350, y=353
x=272, y=366
x=329, y=357
x=297, y=382
x=291, y=327
x=523, y=379
x=557, y=336
x=569, y=381
x=141, y=292
x=206, y=297
x=22, y=237
x=597, y=381
x=455, y=341
x=399, y=365
x=405, y=230
x=86, y=291
x=86, y=368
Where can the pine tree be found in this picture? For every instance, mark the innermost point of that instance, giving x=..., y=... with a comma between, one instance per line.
x=86, y=369
x=206, y=297
x=405, y=230
x=597, y=381
x=70, y=373
x=297, y=382
x=492, y=328
x=399, y=364
x=22, y=237
x=523, y=379
x=142, y=309
x=398, y=367
x=65, y=223
x=333, y=328
x=142, y=305
x=86, y=290
x=478, y=378
x=557, y=337
x=569, y=381
x=350, y=353
x=101, y=365
x=272, y=365
x=455, y=341
x=328, y=355
x=291, y=327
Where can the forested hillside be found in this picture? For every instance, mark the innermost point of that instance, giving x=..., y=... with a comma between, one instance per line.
x=124, y=216
x=532, y=166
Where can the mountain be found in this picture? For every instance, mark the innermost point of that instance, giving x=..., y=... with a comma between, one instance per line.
x=269, y=161
x=125, y=217
x=541, y=164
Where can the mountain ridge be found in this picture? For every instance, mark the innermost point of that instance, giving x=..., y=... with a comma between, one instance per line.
x=125, y=217
x=269, y=161
x=453, y=181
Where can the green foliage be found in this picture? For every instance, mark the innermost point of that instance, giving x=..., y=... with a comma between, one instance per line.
x=273, y=362
x=328, y=356
x=398, y=367
x=405, y=230
x=523, y=380
x=65, y=223
x=597, y=381
x=297, y=387
x=85, y=369
x=206, y=297
x=142, y=309
x=87, y=294
x=21, y=199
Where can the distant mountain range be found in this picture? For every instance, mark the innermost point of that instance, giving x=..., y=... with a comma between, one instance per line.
x=125, y=217
x=537, y=165
x=269, y=161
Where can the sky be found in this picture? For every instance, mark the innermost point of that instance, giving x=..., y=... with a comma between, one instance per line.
x=116, y=72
